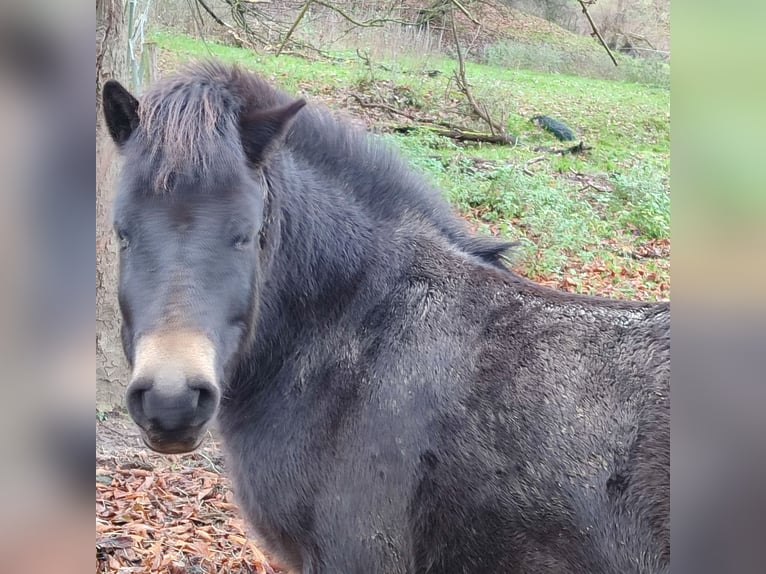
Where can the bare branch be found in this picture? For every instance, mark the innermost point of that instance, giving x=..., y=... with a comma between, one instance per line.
x=464, y=11
x=584, y=5
x=462, y=84
x=458, y=134
x=640, y=38
x=530, y=162
x=207, y=9
x=373, y=23
x=230, y=29
x=301, y=14
x=436, y=127
x=390, y=109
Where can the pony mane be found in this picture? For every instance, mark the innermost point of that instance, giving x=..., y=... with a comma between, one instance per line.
x=189, y=123
x=191, y=120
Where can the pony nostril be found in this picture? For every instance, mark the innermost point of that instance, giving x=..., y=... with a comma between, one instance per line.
x=207, y=398
x=135, y=400
x=157, y=406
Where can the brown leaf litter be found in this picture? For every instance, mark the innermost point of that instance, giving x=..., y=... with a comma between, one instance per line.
x=170, y=520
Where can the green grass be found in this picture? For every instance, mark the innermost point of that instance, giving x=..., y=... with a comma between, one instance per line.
x=293, y=74
x=560, y=221
x=552, y=219
x=581, y=58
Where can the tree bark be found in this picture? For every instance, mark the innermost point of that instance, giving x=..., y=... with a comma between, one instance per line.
x=111, y=62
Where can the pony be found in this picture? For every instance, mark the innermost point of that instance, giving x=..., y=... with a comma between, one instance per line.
x=390, y=396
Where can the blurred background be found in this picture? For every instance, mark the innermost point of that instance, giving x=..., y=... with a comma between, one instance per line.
x=719, y=303
x=46, y=285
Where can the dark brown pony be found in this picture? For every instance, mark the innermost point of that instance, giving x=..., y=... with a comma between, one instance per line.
x=392, y=399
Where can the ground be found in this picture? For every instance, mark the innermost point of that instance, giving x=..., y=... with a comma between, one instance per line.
x=166, y=514
x=595, y=223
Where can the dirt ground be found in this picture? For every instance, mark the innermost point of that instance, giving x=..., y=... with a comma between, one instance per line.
x=166, y=514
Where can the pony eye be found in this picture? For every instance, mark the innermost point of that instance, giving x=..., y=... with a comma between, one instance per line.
x=124, y=239
x=243, y=240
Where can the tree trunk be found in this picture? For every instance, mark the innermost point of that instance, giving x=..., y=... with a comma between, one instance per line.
x=111, y=62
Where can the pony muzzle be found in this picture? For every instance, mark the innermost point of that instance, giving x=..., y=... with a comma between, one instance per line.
x=174, y=392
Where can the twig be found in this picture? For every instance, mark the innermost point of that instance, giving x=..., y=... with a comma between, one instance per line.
x=591, y=185
x=212, y=14
x=458, y=134
x=391, y=109
x=364, y=57
x=220, y=22
x=301, y=14
x=437, y=127
x=373, y=23
x=462, y=84
x=575, y=149
x=368, y=62
x=475, y=37
x=581, y=177
x=530, y=162
x=464, y=11
x=210, y=462
x=638, y=37
x=595, y=29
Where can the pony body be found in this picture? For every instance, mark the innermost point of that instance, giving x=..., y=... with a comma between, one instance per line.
x=392, y=399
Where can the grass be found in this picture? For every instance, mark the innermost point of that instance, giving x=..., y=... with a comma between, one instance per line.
x=580, y=220
x=584, y=59
x=553, y=220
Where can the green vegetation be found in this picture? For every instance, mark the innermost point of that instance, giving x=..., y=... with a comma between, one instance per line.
x=553, y=218
x=584, y=58
x=583, y=221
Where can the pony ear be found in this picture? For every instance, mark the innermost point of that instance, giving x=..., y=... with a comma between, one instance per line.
x=120, y=112
x=263, y=130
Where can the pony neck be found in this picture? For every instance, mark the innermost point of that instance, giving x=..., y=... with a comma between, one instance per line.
x=319, y=245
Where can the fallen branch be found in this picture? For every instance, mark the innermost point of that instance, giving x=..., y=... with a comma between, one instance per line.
x=393, y=110
x=588, y=181
x=390, y=109
x=530, y=162
x=584, y=5
x=437, y=127
x=251, y=39
x=372, y=23
x=575, y=149
x=591, y=185
x=457, y=134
